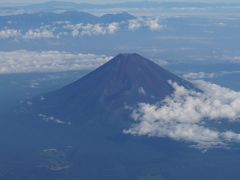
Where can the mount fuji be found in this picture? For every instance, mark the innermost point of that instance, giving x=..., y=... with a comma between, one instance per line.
x=77, y=132
x=108, y=94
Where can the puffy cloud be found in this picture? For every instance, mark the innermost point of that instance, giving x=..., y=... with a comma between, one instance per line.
x=39, y=34
x=186, y=115
x=92, y=29
x=9, y=33
x=152, y=24
x=65, y=28
x=112, y=28
x=134, y=25
x=104, y=29
x=23, y=61
x=30, y=34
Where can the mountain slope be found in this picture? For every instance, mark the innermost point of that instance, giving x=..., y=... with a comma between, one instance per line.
x=111, y=91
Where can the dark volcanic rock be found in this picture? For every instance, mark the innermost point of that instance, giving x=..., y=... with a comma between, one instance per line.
x=110, y=91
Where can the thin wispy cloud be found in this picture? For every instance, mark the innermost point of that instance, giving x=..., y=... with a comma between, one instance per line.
x=199, y=75
x=186, y=115
x=233, y=59
x=51, y=119
x=207, y=75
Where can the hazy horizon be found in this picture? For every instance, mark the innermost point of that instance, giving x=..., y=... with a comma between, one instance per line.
x=26, y=2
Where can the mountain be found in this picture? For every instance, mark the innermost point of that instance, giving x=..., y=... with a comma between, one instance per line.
x=93, y=146
x=111, y=91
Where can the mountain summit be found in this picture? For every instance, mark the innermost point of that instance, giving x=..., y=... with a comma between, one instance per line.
x=111, y=90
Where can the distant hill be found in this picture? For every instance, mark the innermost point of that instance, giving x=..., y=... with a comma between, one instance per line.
x=51, y=5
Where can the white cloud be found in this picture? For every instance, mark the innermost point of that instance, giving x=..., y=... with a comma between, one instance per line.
x=152, y=24
x=233, y=59
x=186, y=114
x=104, y=29
x=134, y=25
x=199, y=75
x=112, y=28
x=38, y=34
x=92, y=29
x=60, y=29
x=52, y=119
x=206, y=75
x=23, y=61
x=9, y=33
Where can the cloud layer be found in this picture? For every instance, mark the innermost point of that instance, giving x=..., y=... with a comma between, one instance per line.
x=39, y=33
x=152, y=24
x=67, y=29
x=92, y=29
x=23, y=61
x=187, y=115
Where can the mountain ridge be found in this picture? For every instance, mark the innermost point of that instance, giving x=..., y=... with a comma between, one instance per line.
x=35, y=20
